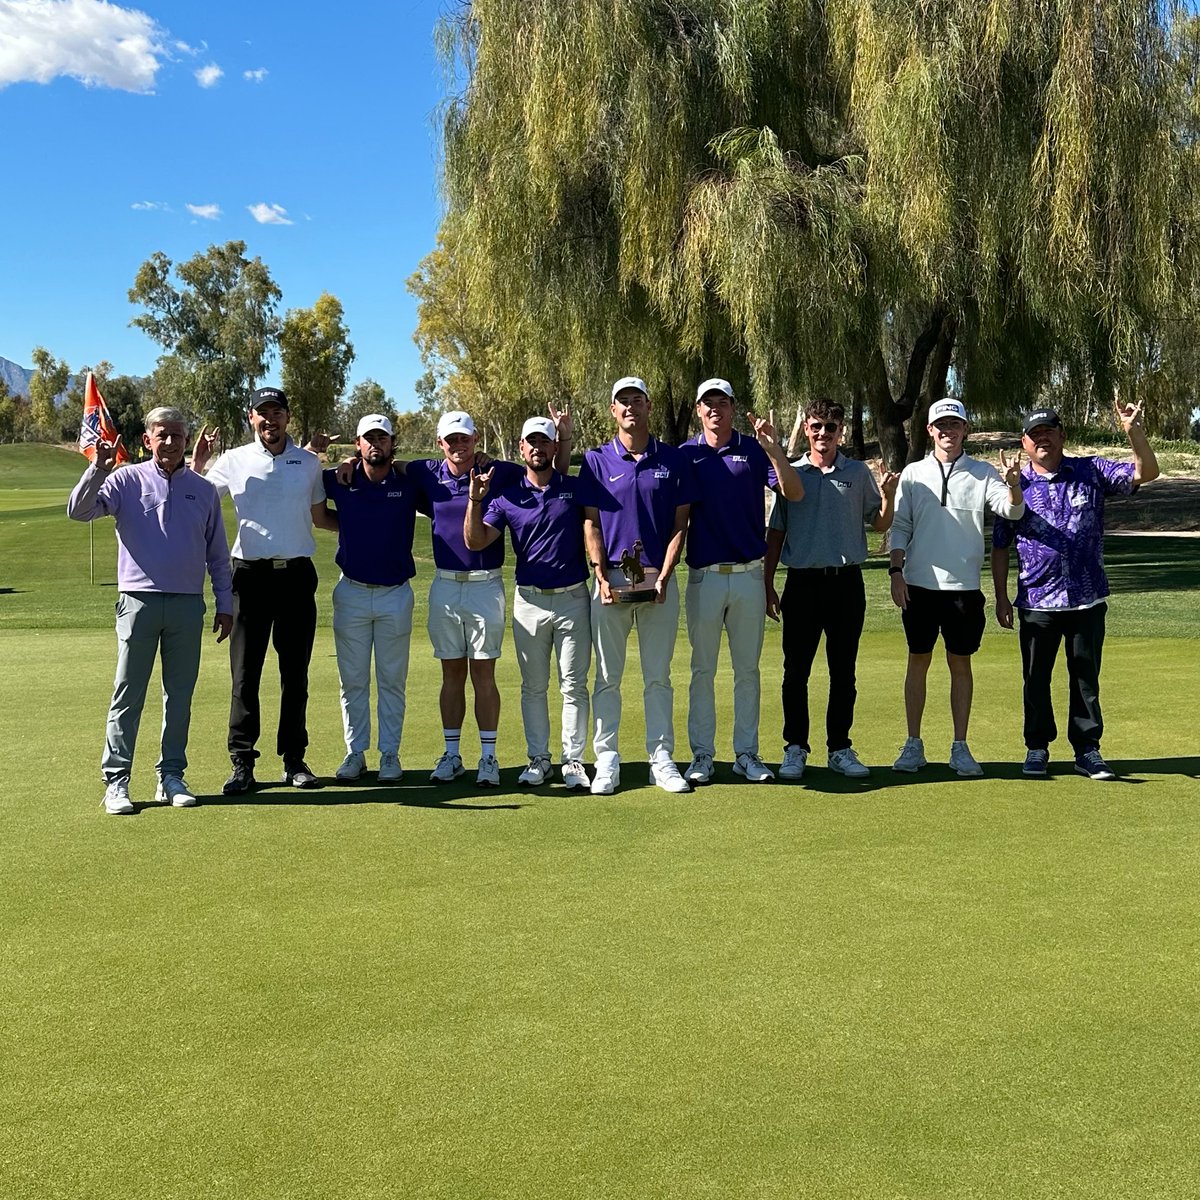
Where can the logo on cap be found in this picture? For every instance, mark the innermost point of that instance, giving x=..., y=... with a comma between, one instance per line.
x=946, y=408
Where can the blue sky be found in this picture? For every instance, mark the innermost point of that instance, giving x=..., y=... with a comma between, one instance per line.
x=307, y=130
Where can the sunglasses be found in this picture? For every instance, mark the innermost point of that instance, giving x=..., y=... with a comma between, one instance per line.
x=824, y=426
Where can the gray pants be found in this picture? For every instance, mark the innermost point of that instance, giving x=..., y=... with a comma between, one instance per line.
x=146, y=621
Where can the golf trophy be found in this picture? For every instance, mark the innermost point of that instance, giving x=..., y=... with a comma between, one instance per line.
x=640, y=581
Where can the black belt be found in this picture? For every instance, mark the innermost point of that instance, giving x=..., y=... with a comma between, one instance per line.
x=844, y=569
x=277, y=564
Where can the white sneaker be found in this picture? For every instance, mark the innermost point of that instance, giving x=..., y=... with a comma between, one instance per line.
x=795, y=758
x=608, y=775
x=701, y=770
x=116, y=798
x=353, y=765
x=963, y=761
x=846, y=762
x=489, y=772
x=751, y=767
x=665, y=774
x=449, y=768
x=912, y=756
x=574, y=774
x=173, y=791
x=536, y=773
x=390, y=770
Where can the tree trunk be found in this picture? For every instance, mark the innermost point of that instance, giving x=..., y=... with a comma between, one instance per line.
x=858, y=441
x=935, y=388
x=889, y=416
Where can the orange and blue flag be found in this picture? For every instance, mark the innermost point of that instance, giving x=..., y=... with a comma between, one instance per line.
x=98, y=425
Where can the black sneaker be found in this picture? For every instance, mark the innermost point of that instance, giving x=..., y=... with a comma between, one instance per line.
x=1090, y=763
x=242, y=779
x=1037, y=763
x=298, y=775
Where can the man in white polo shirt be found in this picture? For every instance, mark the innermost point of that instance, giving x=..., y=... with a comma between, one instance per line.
x=937, y=553
x=277, y=495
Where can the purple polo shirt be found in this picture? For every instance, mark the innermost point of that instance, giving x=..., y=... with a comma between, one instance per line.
x=376, y=522
x=637, y=499
x=729, y=517
x=443, y=496
x=169, y=528
x=546, y=527
x=1060, y=539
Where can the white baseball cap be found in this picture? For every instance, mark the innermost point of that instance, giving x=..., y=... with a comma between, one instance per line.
x=714, y=385
x=454, y=422
x=374, y=421
x=539, y=425
x=630, y=381
x=946, y=408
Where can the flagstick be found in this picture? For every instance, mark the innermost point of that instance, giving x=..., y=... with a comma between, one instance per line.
x=92, y=553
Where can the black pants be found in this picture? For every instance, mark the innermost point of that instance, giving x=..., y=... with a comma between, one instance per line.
x=271, y=606
x=813, y=604
x=1082, y=632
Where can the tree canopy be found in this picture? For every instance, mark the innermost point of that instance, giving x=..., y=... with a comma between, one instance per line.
x=868, y=198
x=314, y=345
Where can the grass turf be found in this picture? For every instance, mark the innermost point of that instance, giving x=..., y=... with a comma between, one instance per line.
x=917, y=986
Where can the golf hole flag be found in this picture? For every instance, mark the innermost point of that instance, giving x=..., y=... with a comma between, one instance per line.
x=97, y=424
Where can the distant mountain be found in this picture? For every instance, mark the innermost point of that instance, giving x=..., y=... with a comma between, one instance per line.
x=16, y=377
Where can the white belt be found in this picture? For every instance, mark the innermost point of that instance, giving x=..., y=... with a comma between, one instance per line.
x=731, y=568
x=468, y=576
x=528, y=587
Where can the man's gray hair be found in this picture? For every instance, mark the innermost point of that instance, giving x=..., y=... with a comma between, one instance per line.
x=165, y=416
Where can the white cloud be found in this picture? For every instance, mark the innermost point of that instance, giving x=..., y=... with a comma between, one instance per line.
x=269, y=214
x=257, y=75
x=100, y=44
x=208, y=212
x=150, y=206
x=207, y=77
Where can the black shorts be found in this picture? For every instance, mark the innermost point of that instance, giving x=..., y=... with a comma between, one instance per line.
x=957, y=616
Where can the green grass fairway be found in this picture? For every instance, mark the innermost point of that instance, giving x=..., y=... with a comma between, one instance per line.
x=916, y=986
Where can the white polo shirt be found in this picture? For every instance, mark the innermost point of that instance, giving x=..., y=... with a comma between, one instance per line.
x=273, y=495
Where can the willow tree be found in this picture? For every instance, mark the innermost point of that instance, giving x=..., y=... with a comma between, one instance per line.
x=856, y=197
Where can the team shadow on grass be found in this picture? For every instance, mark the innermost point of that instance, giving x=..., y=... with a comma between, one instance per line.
x=819, y=778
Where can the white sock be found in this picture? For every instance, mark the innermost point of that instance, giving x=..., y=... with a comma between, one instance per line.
x=487, y=742
x=452, y=737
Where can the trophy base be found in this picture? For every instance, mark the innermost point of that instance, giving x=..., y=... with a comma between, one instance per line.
x=639, y=593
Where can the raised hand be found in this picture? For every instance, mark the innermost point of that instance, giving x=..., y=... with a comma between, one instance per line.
x=318, y=443
x=1128, y=414
x=479, y=485
x=206, y=443
x=564, y=428
x=106, y=454
x=887, y=479
x=1011, y=467
x=764, y=427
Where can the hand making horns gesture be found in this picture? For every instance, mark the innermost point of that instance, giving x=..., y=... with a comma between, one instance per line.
x=563, y=426
x=480, y=484
x=1011, y=467
x=764, y=427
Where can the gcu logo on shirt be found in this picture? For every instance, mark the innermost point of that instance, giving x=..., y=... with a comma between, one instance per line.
x=188, y=496
x=662, y=472
x=842, y=485
x=739, y=458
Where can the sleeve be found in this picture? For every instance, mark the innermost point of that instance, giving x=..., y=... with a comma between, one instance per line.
x=495, y=516
x=779, y=513
x=317, y=491
x=218, y=474
x=217, y=557
x=417, y=472
x=1116, y=478
x=595, y=493
x=872, y=499
x=330, y=484
x=688, y=491
x=997, y=496
x=93, y=496
x=902, y=522
x=1003, y=531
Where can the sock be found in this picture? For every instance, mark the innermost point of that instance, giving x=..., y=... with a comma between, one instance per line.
x=487, y=743
x=452, y=737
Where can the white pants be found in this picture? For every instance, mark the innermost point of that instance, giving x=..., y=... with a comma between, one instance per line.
x=657, y=625
x=364, y=619
x=738, y=604
x=558, y=622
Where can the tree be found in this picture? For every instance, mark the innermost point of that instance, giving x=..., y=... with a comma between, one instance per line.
x=316, y=351
x=48, y=382
x=869, y=200
x=220, y=327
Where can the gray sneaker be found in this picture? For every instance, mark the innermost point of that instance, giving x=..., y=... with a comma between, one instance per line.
x=750, y=766
x=846, y=762
x=174, y=791
x=701, y=769
x=537, y=773
x=912, y=756
x=488, y=774
x=353, y=765
x=449, y=768
x=963, y=761
x=116, y=798
x=795, y=759
x=390, y=770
